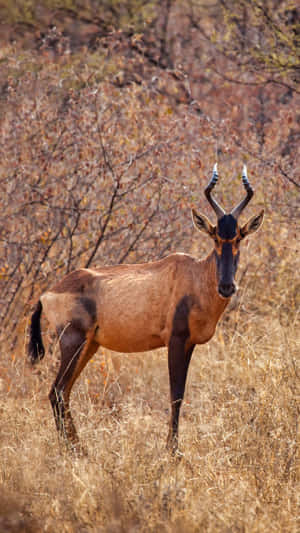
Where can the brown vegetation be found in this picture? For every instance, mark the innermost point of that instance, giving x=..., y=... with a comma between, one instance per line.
x=106, y=143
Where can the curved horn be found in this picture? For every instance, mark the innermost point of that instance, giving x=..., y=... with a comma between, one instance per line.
x=241, y=206
x=217, y=209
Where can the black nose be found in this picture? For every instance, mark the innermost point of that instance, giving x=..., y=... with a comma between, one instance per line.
x=226, y=289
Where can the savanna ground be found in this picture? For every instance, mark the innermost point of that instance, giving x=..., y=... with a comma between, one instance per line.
x=112, y=117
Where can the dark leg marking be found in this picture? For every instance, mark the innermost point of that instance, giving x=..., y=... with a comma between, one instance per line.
x=179, y=356
x=179, y=360
x=72, y=343
x=76, y=350
x=90, y=307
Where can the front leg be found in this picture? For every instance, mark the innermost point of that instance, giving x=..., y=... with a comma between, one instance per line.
x=179, y=356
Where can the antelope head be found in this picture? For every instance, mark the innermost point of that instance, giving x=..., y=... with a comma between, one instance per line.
x=227, y=234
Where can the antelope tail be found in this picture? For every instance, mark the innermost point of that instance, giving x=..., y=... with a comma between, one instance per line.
x=36, y=350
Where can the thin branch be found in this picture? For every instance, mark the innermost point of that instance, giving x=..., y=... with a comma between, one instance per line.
x=143, y=229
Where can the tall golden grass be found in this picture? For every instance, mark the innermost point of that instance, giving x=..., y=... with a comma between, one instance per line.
x=72, y=123
x=239, y=432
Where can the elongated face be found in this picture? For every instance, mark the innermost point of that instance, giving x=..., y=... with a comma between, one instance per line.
x=227, y=235
x=227, y=238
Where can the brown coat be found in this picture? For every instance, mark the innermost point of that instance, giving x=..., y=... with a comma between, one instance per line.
x=131, y=308
x=175, y=302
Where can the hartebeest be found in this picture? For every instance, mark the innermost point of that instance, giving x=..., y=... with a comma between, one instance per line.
x=174, y=302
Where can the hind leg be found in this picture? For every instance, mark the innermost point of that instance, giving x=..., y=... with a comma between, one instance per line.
x=76, y=350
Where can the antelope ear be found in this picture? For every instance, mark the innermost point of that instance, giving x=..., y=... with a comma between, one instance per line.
x=202, y=223
x=252, y=225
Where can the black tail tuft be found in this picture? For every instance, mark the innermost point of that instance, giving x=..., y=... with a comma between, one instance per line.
x=36, y=350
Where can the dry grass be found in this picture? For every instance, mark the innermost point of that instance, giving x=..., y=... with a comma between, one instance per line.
x=239, y=432
x=239, y=438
